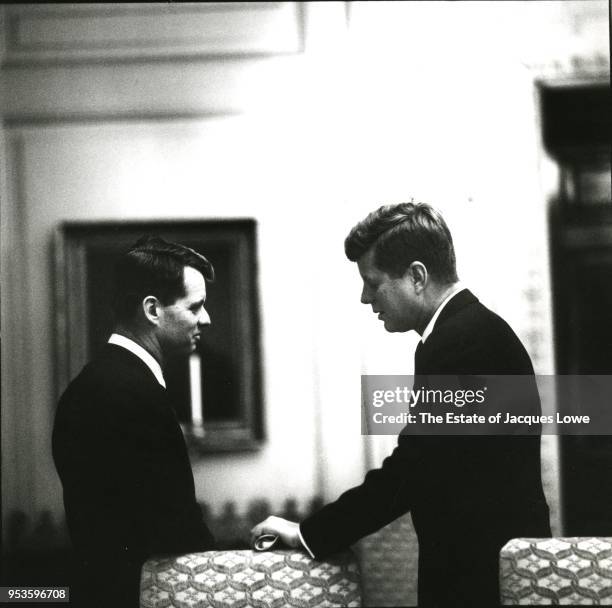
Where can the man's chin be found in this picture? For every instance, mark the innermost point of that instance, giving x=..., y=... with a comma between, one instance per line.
x=186, y=351
x=388, y=325
x=392, y=328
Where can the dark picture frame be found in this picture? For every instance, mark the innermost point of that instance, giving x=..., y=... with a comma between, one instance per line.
x=227, y=373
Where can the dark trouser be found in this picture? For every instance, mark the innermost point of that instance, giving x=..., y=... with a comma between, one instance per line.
x=473, y=584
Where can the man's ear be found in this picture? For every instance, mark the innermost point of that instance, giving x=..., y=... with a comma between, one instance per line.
x=151, y=307
x=419, y=275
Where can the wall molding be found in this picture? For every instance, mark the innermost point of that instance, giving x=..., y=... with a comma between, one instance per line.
x=65, y=34
x=35, y=120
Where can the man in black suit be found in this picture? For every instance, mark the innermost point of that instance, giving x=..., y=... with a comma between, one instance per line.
x=468, y=495
x=117, y=445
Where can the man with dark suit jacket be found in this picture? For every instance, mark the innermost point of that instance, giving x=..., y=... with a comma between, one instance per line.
x=117, y=445
x=468, y=495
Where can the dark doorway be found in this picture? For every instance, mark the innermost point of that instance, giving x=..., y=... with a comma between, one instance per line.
x=576, y=131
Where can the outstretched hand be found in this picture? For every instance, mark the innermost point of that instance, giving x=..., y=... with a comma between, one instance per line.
x=287, y=531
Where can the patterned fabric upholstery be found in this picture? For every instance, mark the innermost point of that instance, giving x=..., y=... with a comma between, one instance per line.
x=232, y=579
x=556, y=571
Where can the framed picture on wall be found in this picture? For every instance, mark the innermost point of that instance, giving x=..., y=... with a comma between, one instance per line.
x=216, y=391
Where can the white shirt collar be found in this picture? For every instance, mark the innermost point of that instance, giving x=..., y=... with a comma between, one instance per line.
x=141, y=353
x=458, y=287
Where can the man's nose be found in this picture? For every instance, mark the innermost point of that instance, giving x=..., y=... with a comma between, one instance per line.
x=365, y=296
x=204, y=318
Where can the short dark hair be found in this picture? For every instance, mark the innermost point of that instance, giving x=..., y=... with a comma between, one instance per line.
x=154, y=266
x=402, y=234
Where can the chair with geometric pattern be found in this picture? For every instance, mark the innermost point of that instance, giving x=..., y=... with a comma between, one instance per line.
x=556, y=571
x=232, y=579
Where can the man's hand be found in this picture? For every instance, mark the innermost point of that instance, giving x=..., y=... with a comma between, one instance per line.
x=287, y=531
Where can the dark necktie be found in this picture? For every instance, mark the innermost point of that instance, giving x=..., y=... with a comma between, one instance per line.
x=418, y=356
x=418, y=367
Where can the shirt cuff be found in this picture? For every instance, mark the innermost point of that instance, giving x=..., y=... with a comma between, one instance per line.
x=304, y=543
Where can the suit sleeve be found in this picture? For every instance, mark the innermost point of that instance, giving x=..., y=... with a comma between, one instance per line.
x=383, y=496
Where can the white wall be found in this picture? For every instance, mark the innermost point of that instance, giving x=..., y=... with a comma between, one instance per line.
x=435, y=101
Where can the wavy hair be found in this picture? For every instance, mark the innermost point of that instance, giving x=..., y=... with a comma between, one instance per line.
x=402, y=234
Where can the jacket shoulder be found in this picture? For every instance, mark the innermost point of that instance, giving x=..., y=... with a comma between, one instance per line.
x=475, y=340
x=111, y=385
